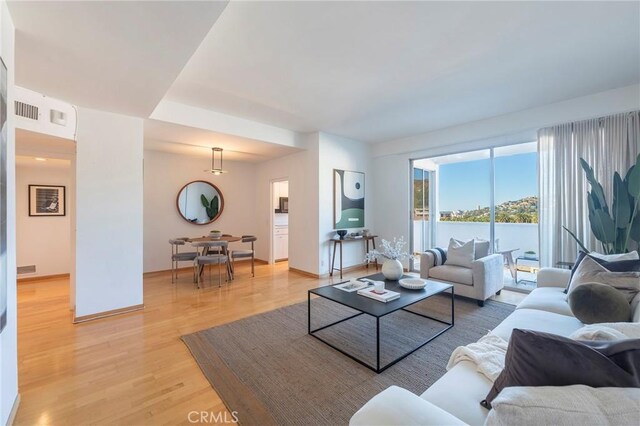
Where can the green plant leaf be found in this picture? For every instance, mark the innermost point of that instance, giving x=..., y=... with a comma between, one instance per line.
x=204, y=201
x=596, y=188
x=606, y=225
x=634, y=231
x=621, y=207
x=584, y=249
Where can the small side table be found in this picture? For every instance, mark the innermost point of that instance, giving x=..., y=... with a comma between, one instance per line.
x=338, y=242
x=533, y=269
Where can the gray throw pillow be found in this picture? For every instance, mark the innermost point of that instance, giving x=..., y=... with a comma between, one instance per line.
x=596, y=303
x=542, y=359
x=590, y=271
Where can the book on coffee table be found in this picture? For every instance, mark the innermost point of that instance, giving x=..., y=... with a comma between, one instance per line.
x=351, y=286
x=385, y=296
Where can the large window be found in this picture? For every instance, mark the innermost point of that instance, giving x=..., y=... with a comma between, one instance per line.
x=488, y=194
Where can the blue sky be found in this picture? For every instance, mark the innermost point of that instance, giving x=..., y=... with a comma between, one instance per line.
x=464, y=186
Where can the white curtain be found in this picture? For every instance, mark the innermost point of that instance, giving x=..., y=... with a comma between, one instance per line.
x=608, y=144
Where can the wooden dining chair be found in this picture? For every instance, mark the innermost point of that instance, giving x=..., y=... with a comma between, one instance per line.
x=243, y=254
x=208, y=257
x=177, y=256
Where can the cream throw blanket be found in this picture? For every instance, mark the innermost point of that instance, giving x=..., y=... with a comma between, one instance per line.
x=487, y=354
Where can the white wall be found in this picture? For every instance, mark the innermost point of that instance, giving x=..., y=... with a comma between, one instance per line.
x=8, y=337
x=301, y=170
x=340, y=153
x=42, y=241
x=164, y=175
x=390, y=165
x=109, y=211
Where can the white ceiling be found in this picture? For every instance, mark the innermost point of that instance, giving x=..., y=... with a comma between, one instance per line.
x=371, y=71
x=114, y=56
x=34, y=144
x=378, y=71
x=176, y=139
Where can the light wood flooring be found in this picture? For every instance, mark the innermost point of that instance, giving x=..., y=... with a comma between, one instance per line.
x=133, y=369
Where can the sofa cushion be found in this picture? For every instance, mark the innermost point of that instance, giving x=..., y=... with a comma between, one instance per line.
x=565, y=405
x=533, y=319
x=451, y=273
x=459, y=392
x=550, y=299
x=460, y=253
x=596, y=303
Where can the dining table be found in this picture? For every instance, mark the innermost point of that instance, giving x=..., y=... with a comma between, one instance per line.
x=227, y=238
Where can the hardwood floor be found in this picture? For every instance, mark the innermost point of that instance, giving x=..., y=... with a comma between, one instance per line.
x=134, y=369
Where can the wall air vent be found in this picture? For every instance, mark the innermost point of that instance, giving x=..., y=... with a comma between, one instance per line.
x=25, y=110
x=30, y=269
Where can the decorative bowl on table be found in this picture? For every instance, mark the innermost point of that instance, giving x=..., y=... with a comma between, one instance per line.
x=413, y=283
x=216, y=235
x=341, y=233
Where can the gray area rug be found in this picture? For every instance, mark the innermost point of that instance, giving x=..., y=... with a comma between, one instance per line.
x=270, y=371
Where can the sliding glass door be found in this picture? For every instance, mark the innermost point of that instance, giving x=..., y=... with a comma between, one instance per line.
x=489, y=194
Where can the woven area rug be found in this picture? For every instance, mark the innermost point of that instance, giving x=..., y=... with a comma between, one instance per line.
x=270, y=371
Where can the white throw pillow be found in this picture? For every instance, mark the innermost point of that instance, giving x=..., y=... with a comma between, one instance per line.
x=565, y=405
x=615, y=257
x=460, y=254
x=590, y=271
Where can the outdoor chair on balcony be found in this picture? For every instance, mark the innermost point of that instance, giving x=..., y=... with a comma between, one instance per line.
x=468, y=266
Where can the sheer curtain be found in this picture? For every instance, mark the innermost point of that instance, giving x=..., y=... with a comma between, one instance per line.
x=608, y=144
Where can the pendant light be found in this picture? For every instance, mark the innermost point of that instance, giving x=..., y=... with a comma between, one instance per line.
x=216, y=170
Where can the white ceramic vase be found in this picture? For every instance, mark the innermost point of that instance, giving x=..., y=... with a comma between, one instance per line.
x=392, y=269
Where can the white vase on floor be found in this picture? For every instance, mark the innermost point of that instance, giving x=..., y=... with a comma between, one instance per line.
x=392, y=269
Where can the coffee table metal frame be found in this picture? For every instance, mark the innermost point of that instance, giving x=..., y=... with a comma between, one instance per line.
x=400, y=306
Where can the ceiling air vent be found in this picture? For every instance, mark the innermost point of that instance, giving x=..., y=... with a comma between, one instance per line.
x=26, y=110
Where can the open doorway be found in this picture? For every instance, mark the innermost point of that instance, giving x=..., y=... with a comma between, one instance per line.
x=279, y=220
x=45, y=193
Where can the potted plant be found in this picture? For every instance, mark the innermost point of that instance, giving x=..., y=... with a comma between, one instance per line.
x=530, y=254
x=393, y=252
x=617, y=228
x=215, y=234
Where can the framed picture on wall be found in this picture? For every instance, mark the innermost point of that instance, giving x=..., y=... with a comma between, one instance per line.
x=348, y=199
x=47, y=200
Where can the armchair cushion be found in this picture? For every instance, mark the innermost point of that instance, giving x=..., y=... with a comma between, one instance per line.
x=452, y=273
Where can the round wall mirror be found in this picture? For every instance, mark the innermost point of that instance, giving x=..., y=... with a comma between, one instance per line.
x=200, y=202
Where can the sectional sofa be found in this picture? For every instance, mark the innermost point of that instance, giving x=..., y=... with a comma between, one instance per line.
x=455, y=398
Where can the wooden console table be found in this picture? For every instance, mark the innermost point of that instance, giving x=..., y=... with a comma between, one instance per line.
x=338, y=242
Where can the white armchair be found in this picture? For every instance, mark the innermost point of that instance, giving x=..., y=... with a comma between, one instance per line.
x=480, y=282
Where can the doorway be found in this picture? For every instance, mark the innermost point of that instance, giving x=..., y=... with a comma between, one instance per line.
x=279, y=221
x=45, y=194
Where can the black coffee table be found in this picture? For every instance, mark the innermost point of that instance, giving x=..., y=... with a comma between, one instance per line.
x=374, y=308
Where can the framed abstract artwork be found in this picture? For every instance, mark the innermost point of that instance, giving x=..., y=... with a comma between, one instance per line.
x=348, y=199
x=47, y=200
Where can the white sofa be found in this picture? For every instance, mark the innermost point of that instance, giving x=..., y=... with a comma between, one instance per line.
x=455, y=398
x=480, y=282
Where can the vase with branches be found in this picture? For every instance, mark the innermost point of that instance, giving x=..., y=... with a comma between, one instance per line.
x=393, y=252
